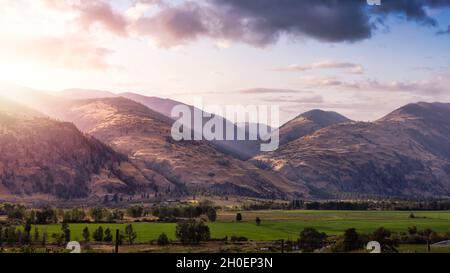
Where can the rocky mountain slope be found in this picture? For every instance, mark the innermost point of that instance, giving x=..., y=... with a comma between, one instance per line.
x=188, y=166
x=43, y=158
x=238, y=148
x=307, y=123
x=406, y=153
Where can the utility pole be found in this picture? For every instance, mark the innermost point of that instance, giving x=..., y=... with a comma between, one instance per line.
x=116, y=250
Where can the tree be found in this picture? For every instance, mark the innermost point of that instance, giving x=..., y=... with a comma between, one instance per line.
x=66, y=232
x=192, y=232
x=135, y=211
x=44, y=238
x=108, y=236
x=211, y=214
x=97, y=214
x=258, y=221
x=86, y=234
x=427, y=233
x=163, y=240
x=238, y=217
x=1, y=235
x=205, y=205
x=383, y=236
x=412, y=230
x=36, y=234
x=27, y=232
x=311, y=239
x=46, y=215
x=98, y=234
x=130, y=234
x=351, y=240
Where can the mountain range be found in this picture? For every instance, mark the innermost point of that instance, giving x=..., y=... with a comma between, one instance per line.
x=80, y=144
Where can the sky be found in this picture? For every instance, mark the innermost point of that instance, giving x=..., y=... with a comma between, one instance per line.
x=346, y=56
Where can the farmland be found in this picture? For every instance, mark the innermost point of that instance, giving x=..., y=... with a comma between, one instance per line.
x=277, y=224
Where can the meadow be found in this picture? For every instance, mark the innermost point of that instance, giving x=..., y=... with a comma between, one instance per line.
x=277, y=225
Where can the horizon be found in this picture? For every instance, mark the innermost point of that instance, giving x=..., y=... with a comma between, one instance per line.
x=283, y=121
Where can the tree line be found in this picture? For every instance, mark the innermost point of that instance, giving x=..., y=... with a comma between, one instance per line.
x=399, y=205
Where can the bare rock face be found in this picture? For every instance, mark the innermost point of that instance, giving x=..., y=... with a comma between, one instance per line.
x=406, y=153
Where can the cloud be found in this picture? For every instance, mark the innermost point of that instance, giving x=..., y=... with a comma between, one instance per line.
x=257, y=22
x=69, y=52
x=263, y=22
x=442, y=32
x=91, y=13
x=173, y=26
x=437, y=85
x=351, y=68
x=411, y=10
x=313, y=99
x=267, y=91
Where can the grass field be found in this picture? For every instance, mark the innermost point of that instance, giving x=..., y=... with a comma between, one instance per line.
x=285, y=224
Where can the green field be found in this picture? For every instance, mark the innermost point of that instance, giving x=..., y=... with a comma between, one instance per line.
x=285, y=224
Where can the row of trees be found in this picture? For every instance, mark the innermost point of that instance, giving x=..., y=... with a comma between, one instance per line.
x=49, y=215
x=172, y=212
x=17, y=213
x=401, y=205
x=12, y=235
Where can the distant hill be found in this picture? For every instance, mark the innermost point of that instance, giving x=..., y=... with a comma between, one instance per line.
x=239, y=148
x=77, y=93
x=307, y=123
x=406, y=154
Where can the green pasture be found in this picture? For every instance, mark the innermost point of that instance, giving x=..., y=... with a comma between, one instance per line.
x=283, y=224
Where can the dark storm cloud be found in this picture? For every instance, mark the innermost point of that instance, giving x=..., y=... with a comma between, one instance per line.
x=262, y=22
x=411, y=10
x=257, y=22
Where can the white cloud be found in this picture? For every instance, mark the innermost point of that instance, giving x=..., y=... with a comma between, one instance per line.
x=347, y=67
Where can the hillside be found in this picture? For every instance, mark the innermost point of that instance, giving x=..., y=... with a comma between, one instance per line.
x=41, y=158
x=406, y=153
x=242, y=149
x=190, y=166
x=307, y=123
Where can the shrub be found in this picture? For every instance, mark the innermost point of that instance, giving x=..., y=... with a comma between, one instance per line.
x=163, y=240
x=311, y=239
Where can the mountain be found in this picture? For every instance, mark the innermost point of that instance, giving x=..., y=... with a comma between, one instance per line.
x=243, y=149
x=307, y=123
x=38, y=100
x=41, y=158
x=404, y=154
x=161, y=105
x=238, y=148
x=190, y=167
x=77, y=93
